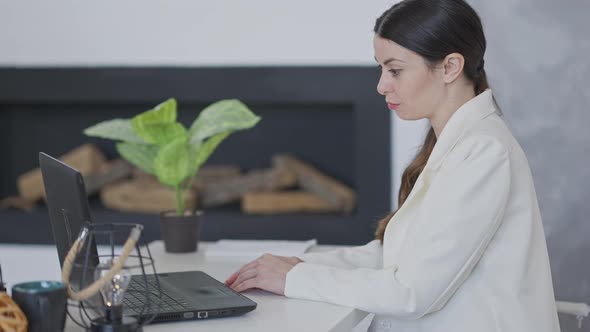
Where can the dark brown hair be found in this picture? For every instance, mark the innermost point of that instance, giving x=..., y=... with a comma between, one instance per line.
x=433, y=29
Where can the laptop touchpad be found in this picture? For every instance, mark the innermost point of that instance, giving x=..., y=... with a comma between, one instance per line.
x=209, y=291
x=200, y=289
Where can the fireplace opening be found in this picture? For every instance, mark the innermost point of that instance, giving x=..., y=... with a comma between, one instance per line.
x=330, y=117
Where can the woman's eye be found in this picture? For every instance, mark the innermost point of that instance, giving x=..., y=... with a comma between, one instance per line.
x=394, y=72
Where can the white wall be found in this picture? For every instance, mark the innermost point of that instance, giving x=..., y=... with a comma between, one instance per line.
x=187, y=32
x=198, y=33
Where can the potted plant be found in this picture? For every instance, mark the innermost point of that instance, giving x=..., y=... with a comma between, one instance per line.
x=156, y=143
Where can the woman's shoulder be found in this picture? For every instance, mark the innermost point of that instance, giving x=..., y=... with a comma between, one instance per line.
x=487, y=139
x=491, y=133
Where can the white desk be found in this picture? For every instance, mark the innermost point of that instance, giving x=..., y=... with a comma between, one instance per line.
x=38, y=262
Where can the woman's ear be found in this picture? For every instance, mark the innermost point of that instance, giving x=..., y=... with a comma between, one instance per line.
x=453, y=67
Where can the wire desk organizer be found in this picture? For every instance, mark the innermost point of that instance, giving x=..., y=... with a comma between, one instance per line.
x=97, y=281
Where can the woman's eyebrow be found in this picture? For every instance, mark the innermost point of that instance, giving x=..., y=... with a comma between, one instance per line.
x=389, y=60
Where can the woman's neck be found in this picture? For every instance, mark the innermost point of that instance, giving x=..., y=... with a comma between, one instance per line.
x=452, y=101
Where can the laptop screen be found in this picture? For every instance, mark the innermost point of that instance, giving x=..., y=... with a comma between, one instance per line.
x=67, y=204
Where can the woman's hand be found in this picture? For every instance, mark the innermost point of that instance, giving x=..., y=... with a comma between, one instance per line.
x=268, y=272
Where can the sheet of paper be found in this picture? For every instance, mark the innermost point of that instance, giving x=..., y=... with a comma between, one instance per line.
x=252, y=249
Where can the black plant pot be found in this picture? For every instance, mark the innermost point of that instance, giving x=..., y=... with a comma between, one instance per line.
x=180, y=233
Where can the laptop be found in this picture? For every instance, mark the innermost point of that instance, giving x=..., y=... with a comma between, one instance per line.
x=185, y=295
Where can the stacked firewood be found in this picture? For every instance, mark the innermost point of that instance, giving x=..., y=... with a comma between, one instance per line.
x=87, y=159
x=290, y=185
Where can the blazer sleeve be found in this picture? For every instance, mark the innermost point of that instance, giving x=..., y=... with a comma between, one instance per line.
x=369, y=255
x=458, y=216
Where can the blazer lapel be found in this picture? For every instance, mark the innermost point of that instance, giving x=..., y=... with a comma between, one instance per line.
x=465, y=117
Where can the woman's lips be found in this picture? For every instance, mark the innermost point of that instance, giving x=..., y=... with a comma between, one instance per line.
x=392, y=106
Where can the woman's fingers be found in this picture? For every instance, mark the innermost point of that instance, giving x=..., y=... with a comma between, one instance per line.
x=231, y=279
x=250, y=283
x=250, y=265
x=248, y=274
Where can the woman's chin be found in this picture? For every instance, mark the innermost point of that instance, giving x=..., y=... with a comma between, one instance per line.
x=402, y=115
x=406, y=116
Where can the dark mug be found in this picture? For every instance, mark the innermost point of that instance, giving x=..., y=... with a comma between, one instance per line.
x=44, y=303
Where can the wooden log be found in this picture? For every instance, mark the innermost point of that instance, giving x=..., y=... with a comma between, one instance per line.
x=212, y=174
x=87, y=159
x=143, y=197
x=219, y=171
x=285, y=202
x=139, y=175
x=111, y=172
x=309, y=178
x=17, y=202
x=206, y=176
x=233, y=189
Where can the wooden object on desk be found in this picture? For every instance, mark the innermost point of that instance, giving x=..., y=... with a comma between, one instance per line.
x=340, y=196
x=232, y=190
x=285, y=202
x=143, y=197
x=113, y=171
x=12, y=317
x=87, y=159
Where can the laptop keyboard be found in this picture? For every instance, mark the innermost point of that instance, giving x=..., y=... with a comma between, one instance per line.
x=160, y=302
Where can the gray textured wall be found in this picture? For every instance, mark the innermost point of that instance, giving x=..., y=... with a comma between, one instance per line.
x=539, y=68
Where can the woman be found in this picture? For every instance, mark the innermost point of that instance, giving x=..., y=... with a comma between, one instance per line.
x=465, y=251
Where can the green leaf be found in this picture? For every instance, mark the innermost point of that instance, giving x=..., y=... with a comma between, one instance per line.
x=164, y=113
x=116, y=129
x=171, y=163
x=163, y=133
x=222, y=116
x=140, y=155
x=192, y=153
x=201, y=152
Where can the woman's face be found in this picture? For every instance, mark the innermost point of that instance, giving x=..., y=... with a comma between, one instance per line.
x=410, y=87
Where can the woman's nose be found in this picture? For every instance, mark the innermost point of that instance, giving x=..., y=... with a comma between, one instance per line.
x=383, y=85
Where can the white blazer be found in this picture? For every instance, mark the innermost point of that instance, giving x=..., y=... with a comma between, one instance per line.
x=465, y=252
